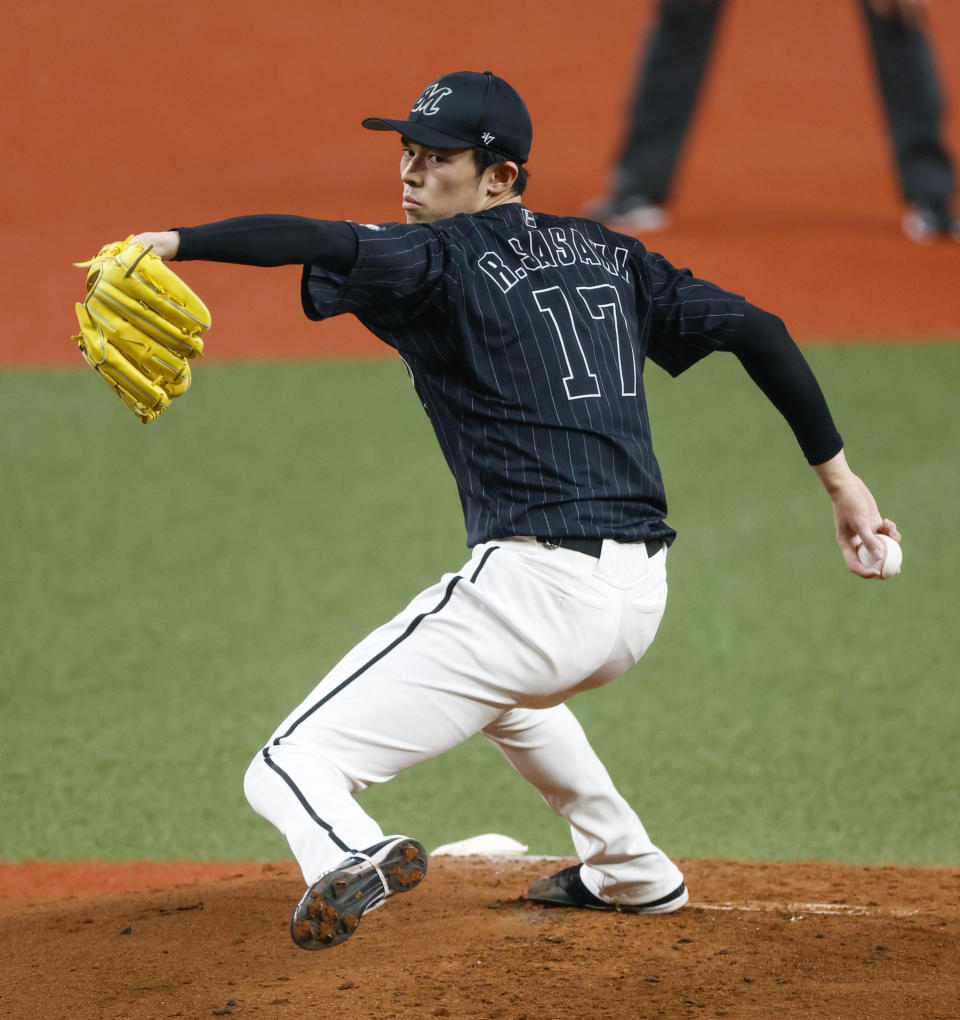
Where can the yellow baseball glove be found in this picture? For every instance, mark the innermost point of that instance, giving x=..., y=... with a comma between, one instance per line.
x=138, y=326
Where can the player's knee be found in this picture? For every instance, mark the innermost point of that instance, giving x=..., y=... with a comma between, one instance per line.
x=256, y=783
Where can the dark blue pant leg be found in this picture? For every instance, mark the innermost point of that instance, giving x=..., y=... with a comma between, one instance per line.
x=913, y=103
x=669, y=76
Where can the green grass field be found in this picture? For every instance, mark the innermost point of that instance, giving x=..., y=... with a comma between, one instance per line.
x=170, y=592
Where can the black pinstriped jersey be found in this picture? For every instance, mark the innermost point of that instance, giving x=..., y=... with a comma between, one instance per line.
x=526, y=337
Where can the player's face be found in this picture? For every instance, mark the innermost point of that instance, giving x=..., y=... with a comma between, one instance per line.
x=438, y=183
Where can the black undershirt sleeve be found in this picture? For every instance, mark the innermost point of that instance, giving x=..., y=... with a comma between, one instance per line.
x=775, y=363
x=272, y=240
x=759, y=340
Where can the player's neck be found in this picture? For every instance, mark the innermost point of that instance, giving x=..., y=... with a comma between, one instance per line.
x=496, y=200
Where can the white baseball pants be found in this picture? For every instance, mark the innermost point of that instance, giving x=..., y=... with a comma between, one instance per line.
x=495, y=648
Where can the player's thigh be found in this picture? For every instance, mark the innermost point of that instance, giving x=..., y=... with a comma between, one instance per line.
x=504, y=631
x=415, y=687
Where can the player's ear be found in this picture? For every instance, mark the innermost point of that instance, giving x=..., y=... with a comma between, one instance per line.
x=501, y=177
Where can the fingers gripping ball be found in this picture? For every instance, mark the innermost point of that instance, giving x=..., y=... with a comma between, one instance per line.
x=139, y=325
x=891, y=560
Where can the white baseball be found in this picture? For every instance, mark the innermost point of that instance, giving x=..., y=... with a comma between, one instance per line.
x=889, y=562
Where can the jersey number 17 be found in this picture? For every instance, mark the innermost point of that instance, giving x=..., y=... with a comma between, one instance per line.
x=603, y=303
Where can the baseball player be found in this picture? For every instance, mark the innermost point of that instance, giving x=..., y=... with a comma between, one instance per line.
x=526, y=336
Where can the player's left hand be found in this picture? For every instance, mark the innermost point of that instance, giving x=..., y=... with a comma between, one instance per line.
x=856, y=515
x=139, y=324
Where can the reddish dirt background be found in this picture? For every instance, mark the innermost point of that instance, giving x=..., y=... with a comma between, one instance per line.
x=757, y=940
x=122, y=118
x=130, y=118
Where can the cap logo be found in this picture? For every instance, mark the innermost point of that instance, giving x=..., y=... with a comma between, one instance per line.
x=428, y=103
x=487, y=137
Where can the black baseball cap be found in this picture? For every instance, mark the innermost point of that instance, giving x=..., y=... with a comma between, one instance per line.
x=467, y=109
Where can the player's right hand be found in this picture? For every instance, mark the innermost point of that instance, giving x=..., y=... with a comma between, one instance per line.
x=856, y=515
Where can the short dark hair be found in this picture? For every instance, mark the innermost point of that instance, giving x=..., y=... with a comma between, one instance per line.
x=485, y=158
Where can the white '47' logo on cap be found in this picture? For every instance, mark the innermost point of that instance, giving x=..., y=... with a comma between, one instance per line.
x=428, y=103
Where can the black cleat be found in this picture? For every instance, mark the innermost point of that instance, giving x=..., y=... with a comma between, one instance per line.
x=566, y=889
x=331, y=908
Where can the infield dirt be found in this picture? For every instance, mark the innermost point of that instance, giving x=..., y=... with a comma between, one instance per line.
x=756, y=940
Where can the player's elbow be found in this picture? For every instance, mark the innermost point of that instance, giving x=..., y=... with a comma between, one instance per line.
x=760, y=333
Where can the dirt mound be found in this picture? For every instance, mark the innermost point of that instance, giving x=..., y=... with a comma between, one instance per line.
x=756, y=940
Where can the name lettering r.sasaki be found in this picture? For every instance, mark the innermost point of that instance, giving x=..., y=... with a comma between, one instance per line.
x=537, y=250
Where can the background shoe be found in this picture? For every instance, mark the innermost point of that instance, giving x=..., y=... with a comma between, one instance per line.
x=634, y=213
x=331, y=908
x=566, y=889
x=928, y=223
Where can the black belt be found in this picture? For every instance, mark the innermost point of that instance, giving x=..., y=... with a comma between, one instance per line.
x=594, y=546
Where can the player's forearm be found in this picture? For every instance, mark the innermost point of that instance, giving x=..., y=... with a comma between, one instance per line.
x=834, y=473
x=775, y=363
x=272, y=240
x=265, y=240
